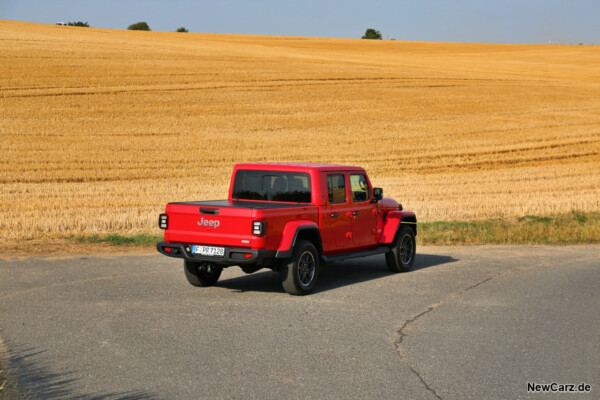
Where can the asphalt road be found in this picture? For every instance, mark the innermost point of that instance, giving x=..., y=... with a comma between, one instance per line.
x=469, y=322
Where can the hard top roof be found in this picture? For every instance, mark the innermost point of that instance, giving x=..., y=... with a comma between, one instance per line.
x=291, y=166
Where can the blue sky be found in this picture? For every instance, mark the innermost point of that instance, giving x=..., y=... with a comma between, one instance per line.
x=499, y=21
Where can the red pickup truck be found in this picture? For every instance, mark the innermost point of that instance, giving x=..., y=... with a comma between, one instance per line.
x=291, y=218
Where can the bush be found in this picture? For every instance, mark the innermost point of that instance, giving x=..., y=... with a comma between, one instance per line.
x=182, y=29
x=372, y=34
x=79, y=23
x=140, y=26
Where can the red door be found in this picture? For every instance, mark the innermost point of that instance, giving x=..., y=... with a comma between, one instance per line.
x=364, y=222
x=337, y=214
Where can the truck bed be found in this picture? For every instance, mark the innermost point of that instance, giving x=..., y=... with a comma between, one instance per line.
x=253, y=205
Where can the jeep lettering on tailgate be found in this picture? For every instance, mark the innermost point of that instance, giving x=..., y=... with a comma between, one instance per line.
x=290, y=218
x=209, y=222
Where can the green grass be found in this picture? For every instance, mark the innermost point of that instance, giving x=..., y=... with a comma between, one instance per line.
x=571, y=228
x=141, y=239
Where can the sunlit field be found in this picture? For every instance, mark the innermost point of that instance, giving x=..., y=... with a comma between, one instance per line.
x=100, y=128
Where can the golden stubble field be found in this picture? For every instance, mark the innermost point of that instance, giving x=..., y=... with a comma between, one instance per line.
x=100, y=128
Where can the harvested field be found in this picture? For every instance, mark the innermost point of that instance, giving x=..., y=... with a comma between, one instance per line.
x=100, y=128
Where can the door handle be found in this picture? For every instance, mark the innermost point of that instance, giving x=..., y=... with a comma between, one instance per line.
x=335, y=215
x=355, y=213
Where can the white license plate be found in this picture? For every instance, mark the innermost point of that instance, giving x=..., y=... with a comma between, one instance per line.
x=208, y=250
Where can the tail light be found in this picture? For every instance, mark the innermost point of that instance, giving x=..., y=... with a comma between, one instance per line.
x=259, y=227
x=163, y=221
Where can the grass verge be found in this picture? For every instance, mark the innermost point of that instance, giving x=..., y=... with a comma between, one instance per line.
x=141, y=239
x=570, y=228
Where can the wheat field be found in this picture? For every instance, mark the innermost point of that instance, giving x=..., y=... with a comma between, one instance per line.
x=100, y=128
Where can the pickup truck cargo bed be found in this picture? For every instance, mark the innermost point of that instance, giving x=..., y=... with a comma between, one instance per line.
x=254, y=205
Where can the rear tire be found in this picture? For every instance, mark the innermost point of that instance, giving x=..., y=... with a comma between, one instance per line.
x=300, y=273
x=201, y=274
x=402, y=256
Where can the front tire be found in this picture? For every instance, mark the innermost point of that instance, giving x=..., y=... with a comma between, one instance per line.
x=201, y=274
x=402, y=256
x=299, y=274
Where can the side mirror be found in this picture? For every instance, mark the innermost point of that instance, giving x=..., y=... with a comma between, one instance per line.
x=377, y=194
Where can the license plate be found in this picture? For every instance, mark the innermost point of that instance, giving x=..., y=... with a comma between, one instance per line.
x=209, y=251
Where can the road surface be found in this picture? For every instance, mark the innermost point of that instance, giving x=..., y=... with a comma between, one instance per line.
x=468, y=322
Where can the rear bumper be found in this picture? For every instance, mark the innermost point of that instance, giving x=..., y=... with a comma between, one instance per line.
x=232, y=256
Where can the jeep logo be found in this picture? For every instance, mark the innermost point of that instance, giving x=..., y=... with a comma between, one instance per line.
x=209, y=222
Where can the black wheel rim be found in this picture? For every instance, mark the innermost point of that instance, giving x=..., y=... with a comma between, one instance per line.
x=406, y=249
x=306, y=268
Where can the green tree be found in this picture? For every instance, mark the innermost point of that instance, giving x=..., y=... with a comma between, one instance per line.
x=182, y=29
x=79, y=23
x=140, y=26
x=372, y=34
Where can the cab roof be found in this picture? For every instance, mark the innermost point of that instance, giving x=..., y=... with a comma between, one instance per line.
x=291, y=166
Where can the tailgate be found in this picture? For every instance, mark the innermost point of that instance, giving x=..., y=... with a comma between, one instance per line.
x=205, y=224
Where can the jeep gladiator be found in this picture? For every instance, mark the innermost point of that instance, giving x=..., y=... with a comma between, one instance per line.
x=291, y=218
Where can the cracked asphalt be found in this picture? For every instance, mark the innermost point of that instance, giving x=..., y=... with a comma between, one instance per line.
x=468, y=322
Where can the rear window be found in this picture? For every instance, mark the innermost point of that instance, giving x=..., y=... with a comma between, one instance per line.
x=292, y=187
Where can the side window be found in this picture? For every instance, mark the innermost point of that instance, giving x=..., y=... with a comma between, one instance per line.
x=360, y=188
x=336, y=189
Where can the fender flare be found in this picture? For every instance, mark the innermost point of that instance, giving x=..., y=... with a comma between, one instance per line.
x=393, y=222
x=290, y=234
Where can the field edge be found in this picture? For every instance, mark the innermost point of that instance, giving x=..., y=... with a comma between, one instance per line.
x=558, y=229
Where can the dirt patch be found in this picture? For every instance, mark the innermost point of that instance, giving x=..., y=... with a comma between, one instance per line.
x=65, y=247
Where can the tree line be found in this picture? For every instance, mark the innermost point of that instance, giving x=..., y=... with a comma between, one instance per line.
x=143, y=26
x=370, y=33
x=138, y=26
